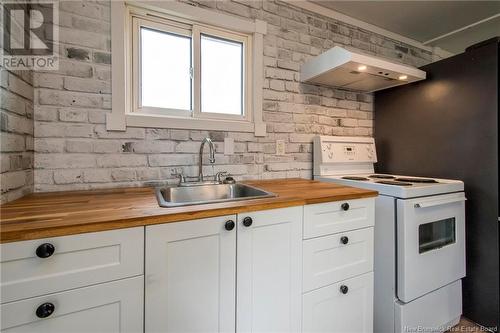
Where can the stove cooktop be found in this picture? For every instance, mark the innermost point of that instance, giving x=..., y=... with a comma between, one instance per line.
x=397, y=185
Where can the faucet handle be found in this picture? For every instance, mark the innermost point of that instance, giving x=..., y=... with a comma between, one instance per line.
x=220, y=174
x=180, y=175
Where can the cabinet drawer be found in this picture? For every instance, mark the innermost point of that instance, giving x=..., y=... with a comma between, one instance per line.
x=109, y=307
x=328, y=309
x=77, y=261
x=327, y=259
x=333, y=217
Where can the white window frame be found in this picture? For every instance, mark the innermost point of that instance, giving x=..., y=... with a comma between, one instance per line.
x=126, y=19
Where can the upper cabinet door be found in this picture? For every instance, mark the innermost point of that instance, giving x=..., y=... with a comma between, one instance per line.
x=190, y=276
x=269, y=271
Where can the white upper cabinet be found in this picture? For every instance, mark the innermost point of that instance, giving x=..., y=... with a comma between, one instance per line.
x=191, y=276
x=269, y=271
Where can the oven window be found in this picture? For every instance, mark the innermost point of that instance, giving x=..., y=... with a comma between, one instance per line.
x=436, y=234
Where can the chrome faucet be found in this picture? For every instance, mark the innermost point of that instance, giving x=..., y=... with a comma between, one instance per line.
x=211, y=156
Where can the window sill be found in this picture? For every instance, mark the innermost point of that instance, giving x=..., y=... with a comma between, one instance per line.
x=157, y=121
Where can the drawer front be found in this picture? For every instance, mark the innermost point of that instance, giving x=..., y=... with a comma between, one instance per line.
x=109, y=307
x=339, y=216
x=328, y=309
x=337, y=257
x=77, y=261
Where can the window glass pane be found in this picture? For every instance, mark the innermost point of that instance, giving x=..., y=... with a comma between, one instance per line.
x=165, y=68
x=436, y=234
x=221, y=76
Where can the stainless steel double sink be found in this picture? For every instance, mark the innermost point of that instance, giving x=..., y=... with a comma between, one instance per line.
x=176, y=196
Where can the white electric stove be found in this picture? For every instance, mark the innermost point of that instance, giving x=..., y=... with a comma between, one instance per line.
x=419, y=237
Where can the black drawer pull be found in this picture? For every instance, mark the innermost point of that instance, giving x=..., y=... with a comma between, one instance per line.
x=345, y=206
x=45, y=250
x=344, y=240
x=45, y=310
x=247, y=221
x=229, y=225
x=344, y=289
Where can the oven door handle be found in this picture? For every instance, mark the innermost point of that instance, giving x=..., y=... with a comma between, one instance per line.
x=426, y=204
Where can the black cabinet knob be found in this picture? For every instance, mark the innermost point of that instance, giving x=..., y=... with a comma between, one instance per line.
x=247, y=221
x=345, y=206
x=344, y=289
x=45, y=310
x=229, y=225
x=344, y=240
x=45, y=250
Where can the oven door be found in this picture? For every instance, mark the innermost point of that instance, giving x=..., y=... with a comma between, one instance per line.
x=430, y=244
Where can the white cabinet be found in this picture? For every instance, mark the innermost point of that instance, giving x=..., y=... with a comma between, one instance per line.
x=37, y=267
x=191, y=276
x=113, y=307
x=338, y=216
x=202, y=277
x=269, y=271
x=80, y=283
x=346, y=306
x=296, y=269
x=337, y=257
x=338, y=267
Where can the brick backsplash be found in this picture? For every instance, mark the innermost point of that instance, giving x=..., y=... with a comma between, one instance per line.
x=73, y=150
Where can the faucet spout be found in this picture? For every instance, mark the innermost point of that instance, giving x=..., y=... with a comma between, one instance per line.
x=211, y=156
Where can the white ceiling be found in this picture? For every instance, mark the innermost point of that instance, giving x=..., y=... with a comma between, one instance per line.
x=427, y=20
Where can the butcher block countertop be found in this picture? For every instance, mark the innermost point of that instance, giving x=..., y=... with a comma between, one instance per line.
x=43, y=215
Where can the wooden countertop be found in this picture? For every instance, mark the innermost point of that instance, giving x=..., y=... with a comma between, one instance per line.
x=43, y=215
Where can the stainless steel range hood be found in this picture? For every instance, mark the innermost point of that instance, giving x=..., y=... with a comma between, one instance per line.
x=345, y=68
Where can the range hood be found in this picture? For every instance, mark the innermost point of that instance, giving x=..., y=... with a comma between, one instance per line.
x=344, y=68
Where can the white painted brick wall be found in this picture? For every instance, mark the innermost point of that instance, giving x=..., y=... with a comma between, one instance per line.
x=73, y=150
x=16, y=134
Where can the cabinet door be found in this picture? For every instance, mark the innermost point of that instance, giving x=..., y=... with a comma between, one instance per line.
x=269, y=271
x=190, y=276
x=113, y=307
x=342, y=307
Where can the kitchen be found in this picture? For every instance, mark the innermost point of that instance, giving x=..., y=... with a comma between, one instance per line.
x=152, y=190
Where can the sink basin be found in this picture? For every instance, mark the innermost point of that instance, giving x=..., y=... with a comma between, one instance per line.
x=204, y=194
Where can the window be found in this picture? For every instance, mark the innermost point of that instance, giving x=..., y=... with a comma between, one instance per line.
x=435, y=235
x=187, y=70
x=221, y=76
x=194, y=73
x=165, y=76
